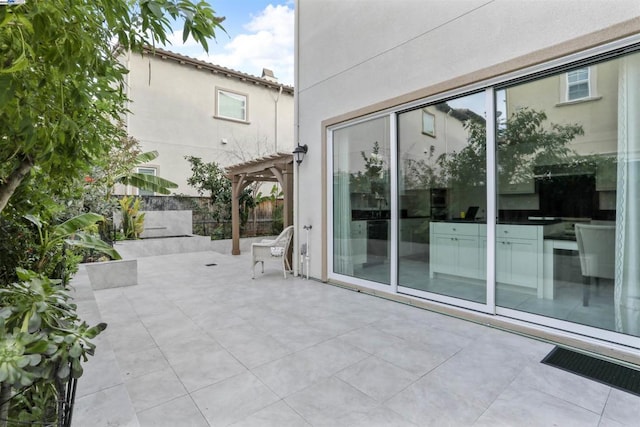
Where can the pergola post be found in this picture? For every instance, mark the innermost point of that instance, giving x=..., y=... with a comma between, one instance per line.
x=235, y=214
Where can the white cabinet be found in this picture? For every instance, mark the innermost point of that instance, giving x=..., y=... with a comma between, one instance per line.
x=459, y=249
x=454, y=249
x=518, y=248
x=519, y=255
x=359, y=242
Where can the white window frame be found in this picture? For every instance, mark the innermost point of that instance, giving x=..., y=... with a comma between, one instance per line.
x=428, y=123
x=579, y=82
x=234, y=95
x=140, y=169
x=591, y=80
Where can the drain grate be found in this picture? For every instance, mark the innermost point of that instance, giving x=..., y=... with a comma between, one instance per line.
x=210, y=265
x=603, y=371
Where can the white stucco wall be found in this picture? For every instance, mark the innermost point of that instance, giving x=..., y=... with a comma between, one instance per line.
x=172, y=111
x=355, y=53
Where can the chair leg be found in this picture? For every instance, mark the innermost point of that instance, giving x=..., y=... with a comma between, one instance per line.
x=586, y=290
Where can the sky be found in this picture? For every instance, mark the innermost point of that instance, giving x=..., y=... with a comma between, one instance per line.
x=259, y=34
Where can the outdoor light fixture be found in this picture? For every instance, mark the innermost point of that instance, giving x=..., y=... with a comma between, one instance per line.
x=299, y=152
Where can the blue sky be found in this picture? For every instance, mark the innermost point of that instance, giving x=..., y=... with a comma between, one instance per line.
x=260, y=34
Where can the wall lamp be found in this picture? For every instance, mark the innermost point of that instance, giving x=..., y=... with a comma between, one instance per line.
x=299, y=152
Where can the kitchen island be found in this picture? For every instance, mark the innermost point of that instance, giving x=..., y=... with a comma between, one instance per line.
x=458, y=248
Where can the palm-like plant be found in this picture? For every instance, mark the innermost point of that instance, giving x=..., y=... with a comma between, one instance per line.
x=72, y=232
x=145, y=181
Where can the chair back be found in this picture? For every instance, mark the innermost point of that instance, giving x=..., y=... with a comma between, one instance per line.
x=284, y=239
x=596, y=247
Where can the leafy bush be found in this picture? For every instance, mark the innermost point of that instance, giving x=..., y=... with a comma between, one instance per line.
x=132, y=220
x=42, y=342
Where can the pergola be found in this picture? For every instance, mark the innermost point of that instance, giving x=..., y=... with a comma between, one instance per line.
x=273, y=168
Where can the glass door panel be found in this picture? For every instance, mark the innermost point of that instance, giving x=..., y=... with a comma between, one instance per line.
x=567, y=194
x=361, y=200
x=442, y=198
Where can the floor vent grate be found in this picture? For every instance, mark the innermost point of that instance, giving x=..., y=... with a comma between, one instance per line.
x=603, y=371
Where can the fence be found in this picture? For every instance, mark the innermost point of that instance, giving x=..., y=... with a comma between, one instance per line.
x=261, y=221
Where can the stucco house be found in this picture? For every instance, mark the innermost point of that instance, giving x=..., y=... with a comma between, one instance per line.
x=181, y=107
x=465, y=156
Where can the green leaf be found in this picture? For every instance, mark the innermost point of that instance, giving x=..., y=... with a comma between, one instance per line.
x=18, y=65
x=87, y=241
x=146, y=157
x=149, y=182
x=155, y=9
x=76, y=223
x=94, y=331
x=34, y=322
x=64, y=371
x=38, y=347
x=75, y=350
x=34, y=220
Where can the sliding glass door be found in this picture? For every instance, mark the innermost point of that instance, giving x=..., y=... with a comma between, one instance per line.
x=362, y=200
x=567, y=243
x=442, y=198
x=522, y=199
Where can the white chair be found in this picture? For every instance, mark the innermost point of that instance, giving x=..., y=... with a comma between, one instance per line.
x=272, y=250
x=596, y=247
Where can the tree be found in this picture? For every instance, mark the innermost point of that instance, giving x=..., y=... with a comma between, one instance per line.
x=524, y=141
x=61, y=98
x=211, y=178
x=62, y=86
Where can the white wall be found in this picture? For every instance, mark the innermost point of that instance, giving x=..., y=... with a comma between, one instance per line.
x=355, y=53
x=173, y=108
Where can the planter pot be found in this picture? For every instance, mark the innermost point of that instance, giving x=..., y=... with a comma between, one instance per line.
x=113, y=274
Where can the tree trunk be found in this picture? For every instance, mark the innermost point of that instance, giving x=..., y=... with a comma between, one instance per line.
x=8, y=187
x=5, y=397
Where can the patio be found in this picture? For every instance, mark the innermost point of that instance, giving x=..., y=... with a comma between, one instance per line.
x=204, y=345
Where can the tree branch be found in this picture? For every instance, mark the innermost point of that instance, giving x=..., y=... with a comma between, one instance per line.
x=8, y=187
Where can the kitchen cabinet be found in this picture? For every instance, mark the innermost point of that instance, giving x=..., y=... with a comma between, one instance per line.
x=519, y=255
x=459, y=249
x=454, y=249
x=359, y=242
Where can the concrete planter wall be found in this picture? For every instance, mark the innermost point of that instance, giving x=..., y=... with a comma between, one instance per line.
x=162, y=223
x=113, y=274
x=167, y=223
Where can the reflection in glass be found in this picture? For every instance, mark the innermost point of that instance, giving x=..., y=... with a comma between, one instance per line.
x=568, y=196
x=442, y=198
x=361, y=195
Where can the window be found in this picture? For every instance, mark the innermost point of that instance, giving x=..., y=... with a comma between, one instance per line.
x=146, y=171
x=428, y=123
x=231, y=105
x=578, y=86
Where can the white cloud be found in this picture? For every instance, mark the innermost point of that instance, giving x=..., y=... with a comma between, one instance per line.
x=268, y=43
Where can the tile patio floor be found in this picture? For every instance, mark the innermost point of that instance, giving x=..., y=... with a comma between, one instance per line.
x=196, y=345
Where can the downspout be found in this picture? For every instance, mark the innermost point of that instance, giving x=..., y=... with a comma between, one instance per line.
x=296, y=137
x=275, y=125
